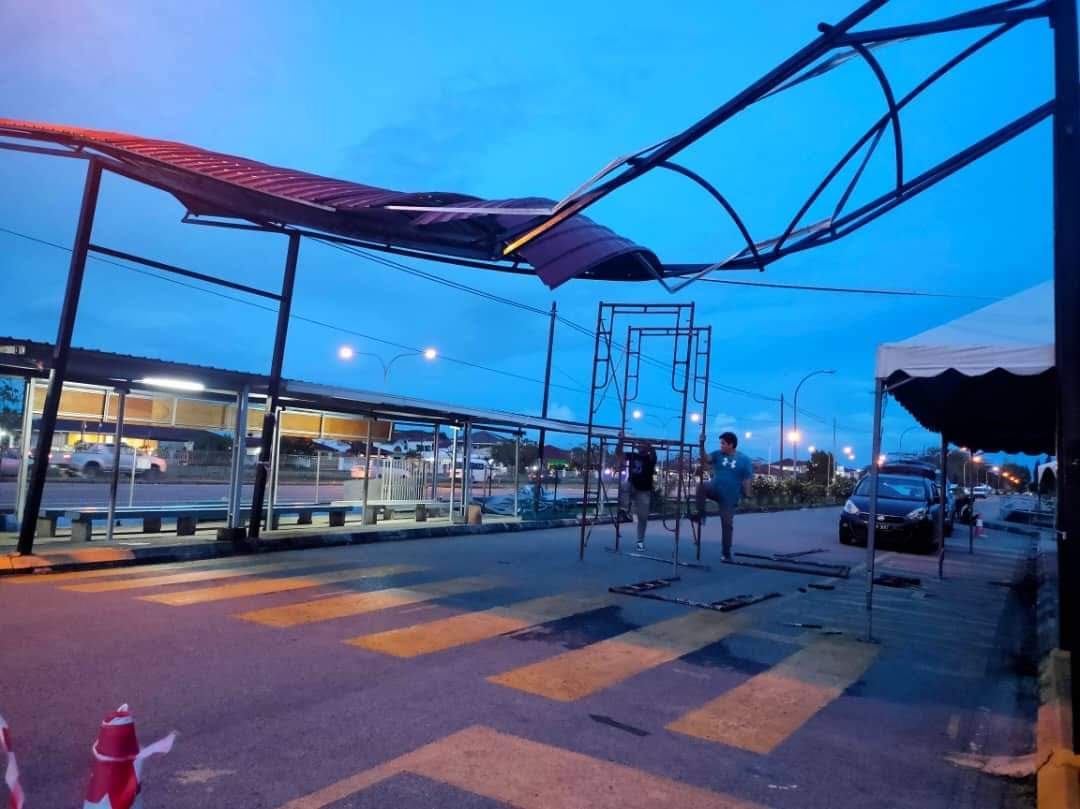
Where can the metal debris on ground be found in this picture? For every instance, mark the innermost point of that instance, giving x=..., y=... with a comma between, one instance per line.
x=821, y=586
x=805, y=626
x=794, y=554
x=895, y=580
x=607, y=720
x=661, y=559
x=646, y=590
x=774, y=562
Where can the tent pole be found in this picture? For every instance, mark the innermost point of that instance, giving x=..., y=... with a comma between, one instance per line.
x=871, y=523
x=943, y=497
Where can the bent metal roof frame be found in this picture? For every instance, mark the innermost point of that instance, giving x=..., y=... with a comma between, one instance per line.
x=552, y=238
x=20, y=357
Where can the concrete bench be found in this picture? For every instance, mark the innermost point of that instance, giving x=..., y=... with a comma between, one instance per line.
x=187, y=517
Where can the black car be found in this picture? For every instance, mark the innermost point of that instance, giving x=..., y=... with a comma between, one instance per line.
x=907, y=511
x=924, y=469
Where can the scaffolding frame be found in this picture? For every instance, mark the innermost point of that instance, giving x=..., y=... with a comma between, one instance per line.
x=690, y=364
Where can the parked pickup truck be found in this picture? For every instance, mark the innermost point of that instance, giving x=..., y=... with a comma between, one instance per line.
x=91, y=461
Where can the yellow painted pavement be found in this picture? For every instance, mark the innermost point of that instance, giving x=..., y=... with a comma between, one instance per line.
x=763, y=712
x=326, y=609
x=472, y=627
x=284, y=584
x=581, y=672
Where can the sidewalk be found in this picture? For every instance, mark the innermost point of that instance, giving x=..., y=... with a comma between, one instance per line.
x=134, y=548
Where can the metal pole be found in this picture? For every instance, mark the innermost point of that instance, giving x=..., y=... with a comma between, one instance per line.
x=275, y=468
x=871, y=524
x=781, y=436
x=131, y=478
x=318, y=469
x=589, y=433
x=517, y=469
x=114, y=479
x=61, y=351
x=943, y=496
x=466, y=468
x=435, y=463
x=832, y=458
x=24, y=445
x=239, y=453
x=367, y=468
x=544, y=410
x=453, y=472
x=262, y=472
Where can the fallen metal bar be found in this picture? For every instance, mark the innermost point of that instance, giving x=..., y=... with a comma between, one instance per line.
x=723, y=605
x=808, y=568
x=793, y=554
x=666, y=561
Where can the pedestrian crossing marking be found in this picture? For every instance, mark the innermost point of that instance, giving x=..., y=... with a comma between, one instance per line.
x=528, y=775
x=326, y=609
x=283, y=584
x=472, y=627
x=147, y=570
x=186, y=577
x=581, y=672
x=763, y=712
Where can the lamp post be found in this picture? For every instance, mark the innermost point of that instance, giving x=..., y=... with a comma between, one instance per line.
x=348, y=353
x=795, y=420
x=900, y=443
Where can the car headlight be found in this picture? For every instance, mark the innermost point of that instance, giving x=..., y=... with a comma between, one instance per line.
x=917, y=514
x=851, y=508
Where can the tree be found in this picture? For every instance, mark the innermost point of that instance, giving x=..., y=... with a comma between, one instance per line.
x=1020, y=471
x=503, y=453
x=819, y=467
x=11, y=400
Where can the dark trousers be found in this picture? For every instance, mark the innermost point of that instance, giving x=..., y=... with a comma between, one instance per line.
x=727, y=515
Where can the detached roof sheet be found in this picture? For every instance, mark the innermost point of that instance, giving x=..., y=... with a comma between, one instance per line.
x=216, y=184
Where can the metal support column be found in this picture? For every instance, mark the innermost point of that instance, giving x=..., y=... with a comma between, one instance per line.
x=236, y=474
x=262, y=472
x=1067, y=326
x=435, y=463
x=61, y=351
x=517, y=470
x=466, y=472
x=275, y=468
x=544, y=410
x=871, y=523
x=24, y=445
x=114, y=478
x=453, y=471
x=367, y=472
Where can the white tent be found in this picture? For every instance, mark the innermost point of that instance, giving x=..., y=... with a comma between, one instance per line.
x=985, y=380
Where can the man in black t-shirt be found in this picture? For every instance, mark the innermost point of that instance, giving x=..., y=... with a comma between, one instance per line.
x=641, y=468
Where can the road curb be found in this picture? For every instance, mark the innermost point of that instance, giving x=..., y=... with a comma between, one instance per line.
x=95, y=558
x=1012, y=528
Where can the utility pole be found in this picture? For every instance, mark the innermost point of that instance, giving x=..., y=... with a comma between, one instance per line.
x=544, y=410
x=832, y=458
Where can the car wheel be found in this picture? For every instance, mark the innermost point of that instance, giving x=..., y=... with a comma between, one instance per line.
x=91, y=471
x=153, y=473
x=845, y=537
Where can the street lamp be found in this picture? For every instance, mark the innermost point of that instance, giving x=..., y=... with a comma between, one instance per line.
x=695, y=417
x=637, y=414
x=900, y=443
x=795, y=420
x=748, y=435
x=347, y=353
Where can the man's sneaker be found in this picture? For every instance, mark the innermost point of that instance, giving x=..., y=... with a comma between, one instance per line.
x=640, y=546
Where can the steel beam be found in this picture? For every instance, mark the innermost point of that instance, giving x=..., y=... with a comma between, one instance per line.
x=61, y=353
x=262, y=472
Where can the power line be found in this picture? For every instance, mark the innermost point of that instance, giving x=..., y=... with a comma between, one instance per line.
x=297, y=317
x=910, y=293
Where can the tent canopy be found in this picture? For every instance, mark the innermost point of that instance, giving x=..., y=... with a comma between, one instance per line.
x=986, y=380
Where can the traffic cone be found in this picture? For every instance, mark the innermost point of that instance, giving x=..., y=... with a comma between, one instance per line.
x=979, y=530
x=11, y=770
x=115, y=780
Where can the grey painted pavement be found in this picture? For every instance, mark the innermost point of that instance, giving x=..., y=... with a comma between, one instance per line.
x=684, y=706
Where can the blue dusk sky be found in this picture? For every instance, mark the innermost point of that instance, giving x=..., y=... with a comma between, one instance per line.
x=518, y=100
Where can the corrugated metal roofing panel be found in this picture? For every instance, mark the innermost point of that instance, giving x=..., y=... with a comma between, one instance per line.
x=212, y=183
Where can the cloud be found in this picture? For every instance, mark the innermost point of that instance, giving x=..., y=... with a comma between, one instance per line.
x=722, y=421
x=560, y=411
